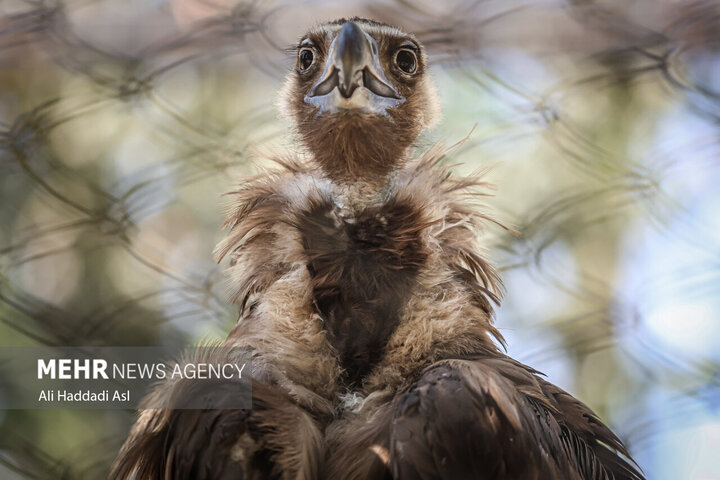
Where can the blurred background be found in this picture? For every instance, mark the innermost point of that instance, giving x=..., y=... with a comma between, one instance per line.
x=123, y=122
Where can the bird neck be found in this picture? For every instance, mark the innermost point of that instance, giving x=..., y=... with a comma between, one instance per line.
x=368, y=166
x=357, y=194
x=350, y=149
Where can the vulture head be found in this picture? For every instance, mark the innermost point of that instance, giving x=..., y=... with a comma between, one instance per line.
x=359, y=96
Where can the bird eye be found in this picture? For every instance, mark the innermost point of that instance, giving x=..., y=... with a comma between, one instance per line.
x=305, y=59
x=406, y=60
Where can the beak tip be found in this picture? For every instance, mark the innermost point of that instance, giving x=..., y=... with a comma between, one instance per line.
x=346, y=90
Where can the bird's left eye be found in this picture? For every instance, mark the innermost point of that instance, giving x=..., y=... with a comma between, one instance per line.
x=305, y=59
x=406, y=60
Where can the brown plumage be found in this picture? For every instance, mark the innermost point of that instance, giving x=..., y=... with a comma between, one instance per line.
x=365, y=296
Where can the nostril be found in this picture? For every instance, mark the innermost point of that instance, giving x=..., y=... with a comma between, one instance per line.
x=325, y=87
x=377, y=86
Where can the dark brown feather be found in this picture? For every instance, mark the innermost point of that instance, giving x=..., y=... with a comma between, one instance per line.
x=274, y=439
x=493, y=418
x=362, y=269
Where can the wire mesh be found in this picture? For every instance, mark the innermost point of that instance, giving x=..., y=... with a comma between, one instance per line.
x=121, y=123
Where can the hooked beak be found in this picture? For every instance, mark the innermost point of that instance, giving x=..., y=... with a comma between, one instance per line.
x=353, y=77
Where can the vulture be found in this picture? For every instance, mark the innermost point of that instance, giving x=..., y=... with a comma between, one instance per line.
x=368, y=305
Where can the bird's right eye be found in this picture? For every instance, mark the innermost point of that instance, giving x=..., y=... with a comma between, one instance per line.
x=305, y=59
x=406, y=60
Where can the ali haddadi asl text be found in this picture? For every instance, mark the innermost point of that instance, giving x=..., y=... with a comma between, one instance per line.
x=83, y=396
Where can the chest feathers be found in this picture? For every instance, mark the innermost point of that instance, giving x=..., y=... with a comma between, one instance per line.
x=363, y=267
x=370, y=291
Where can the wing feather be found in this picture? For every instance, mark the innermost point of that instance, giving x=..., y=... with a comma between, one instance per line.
x=494, y=418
